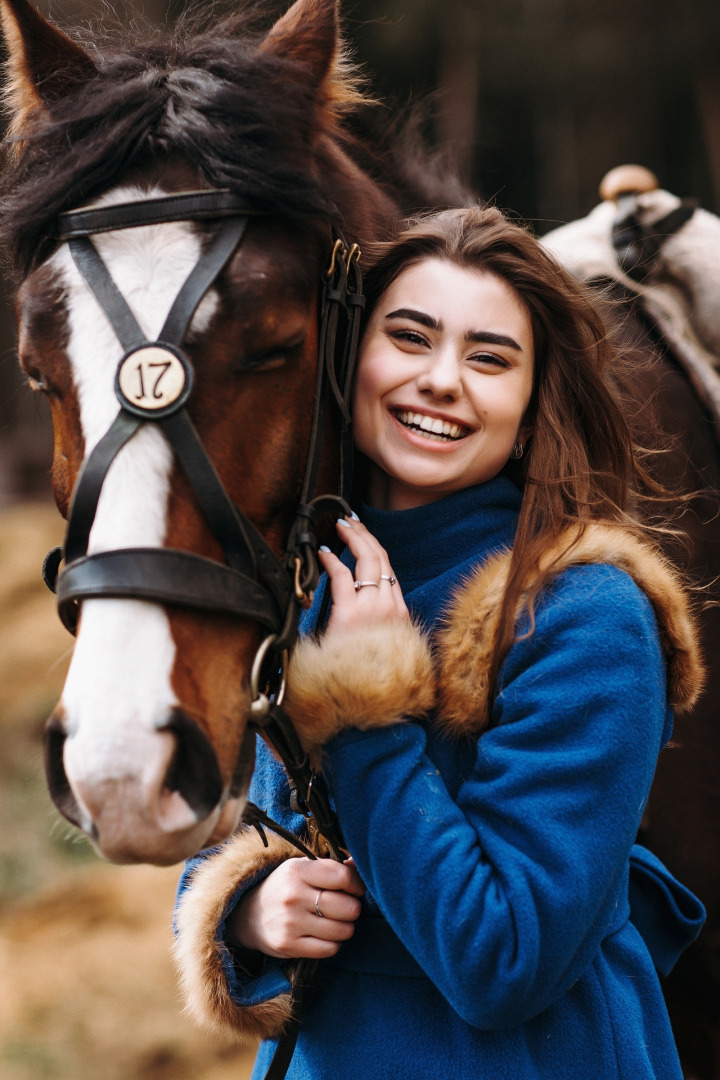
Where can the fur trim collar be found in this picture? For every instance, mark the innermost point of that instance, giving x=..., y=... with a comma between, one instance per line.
x=466, y=641
x=375, y=678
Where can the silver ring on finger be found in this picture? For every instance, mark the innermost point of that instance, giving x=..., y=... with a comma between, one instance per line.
x=388, y=577
x=318, y=912
x=364, y=584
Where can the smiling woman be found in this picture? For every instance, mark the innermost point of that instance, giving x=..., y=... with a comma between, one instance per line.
x=445, y=379
x=487, y=693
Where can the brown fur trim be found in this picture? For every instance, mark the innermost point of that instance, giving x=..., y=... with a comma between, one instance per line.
x=199, y=955
x=466, y=641
x=365, y=678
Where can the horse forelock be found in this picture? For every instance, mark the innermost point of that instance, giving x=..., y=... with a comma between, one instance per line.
x=245, y=118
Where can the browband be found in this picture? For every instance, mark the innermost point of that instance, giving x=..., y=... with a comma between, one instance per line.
x=195, y=205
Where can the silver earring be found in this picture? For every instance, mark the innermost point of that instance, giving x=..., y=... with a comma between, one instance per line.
x=517, y=451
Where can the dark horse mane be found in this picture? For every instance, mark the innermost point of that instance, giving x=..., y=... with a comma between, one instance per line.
x=244, y=117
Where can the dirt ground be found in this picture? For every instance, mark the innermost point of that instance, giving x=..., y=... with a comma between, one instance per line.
x=87, y=987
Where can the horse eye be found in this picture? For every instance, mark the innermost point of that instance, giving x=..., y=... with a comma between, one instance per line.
x=271, y=358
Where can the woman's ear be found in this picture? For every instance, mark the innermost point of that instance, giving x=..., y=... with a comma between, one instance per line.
x=525, y=433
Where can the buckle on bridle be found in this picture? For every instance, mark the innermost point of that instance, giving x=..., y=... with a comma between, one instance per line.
x=338, y=248
x=303, y=597
x=260, y=703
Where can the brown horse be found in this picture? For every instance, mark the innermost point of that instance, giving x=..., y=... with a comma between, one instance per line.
x=667, y=309
x=146, y=750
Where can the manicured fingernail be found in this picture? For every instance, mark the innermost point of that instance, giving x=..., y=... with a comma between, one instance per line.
x=354, y=516
x=324, y=548
x=346, y=524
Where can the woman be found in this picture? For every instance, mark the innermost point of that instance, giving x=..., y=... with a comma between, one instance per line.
x=488, y=700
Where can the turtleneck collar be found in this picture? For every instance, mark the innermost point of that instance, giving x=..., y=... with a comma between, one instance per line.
x=428, y=541
x=433, y=548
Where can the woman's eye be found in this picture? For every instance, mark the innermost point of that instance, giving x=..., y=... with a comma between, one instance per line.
x=411, y=337
x=489, y=360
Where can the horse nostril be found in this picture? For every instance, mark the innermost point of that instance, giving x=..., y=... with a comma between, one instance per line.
x=57, y=781
x=193, y=771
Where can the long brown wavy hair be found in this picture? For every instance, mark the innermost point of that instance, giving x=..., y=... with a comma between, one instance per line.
x=582, y=463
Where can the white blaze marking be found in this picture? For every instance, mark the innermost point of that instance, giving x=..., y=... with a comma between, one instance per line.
x=118, y=688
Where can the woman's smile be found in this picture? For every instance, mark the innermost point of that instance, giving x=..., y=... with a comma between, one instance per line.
x=444, y=381
x=430, y=427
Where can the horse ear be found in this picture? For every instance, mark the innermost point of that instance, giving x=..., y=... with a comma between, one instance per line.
x=308, y=33
x=42, y=62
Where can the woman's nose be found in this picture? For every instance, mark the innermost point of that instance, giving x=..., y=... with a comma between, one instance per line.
x=442, y=377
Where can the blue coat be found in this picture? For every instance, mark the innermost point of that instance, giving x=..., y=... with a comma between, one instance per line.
x=496, y=938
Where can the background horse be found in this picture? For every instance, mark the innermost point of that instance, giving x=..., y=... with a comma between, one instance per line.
x=146, y=748
x=665, y=304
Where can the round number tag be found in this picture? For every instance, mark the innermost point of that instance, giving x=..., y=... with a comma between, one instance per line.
x=151, y=379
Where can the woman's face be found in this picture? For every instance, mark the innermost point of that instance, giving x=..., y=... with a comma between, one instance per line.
x=444, y=379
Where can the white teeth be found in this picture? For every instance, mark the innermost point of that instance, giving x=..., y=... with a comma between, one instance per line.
x=429, y=424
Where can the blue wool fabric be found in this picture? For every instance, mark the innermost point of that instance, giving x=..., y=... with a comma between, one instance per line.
x=496, y=939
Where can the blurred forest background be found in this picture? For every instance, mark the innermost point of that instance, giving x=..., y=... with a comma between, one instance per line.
x=535, y=100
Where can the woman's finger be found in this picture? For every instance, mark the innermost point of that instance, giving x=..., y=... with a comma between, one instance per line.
x=334, y=905
x=372, y=592
x=372, y=562
x=315, y=874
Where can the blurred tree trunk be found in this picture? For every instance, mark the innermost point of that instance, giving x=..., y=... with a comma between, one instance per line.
x=707, y=87
x=459, y=82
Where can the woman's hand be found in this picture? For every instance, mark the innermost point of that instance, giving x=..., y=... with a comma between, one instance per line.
x=279, y=918
x=381, y=601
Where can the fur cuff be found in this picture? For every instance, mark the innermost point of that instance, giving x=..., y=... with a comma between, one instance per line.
x=366, y=678
x=199, y=954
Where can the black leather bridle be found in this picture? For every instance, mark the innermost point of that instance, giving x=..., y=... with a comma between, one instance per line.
x=153, y=384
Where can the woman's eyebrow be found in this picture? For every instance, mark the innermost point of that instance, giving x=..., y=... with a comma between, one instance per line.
x=478, y=337
x=416, y=316
x=487, y=337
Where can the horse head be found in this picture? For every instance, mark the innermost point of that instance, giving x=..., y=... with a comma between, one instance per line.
x=148, y=749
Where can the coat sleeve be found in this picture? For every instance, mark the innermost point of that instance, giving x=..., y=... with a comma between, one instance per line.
x=220, y=991
x=504, y=891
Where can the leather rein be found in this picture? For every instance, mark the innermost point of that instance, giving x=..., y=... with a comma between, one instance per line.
x=153, y=383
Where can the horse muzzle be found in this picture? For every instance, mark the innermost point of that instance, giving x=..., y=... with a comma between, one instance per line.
x=173, y=805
